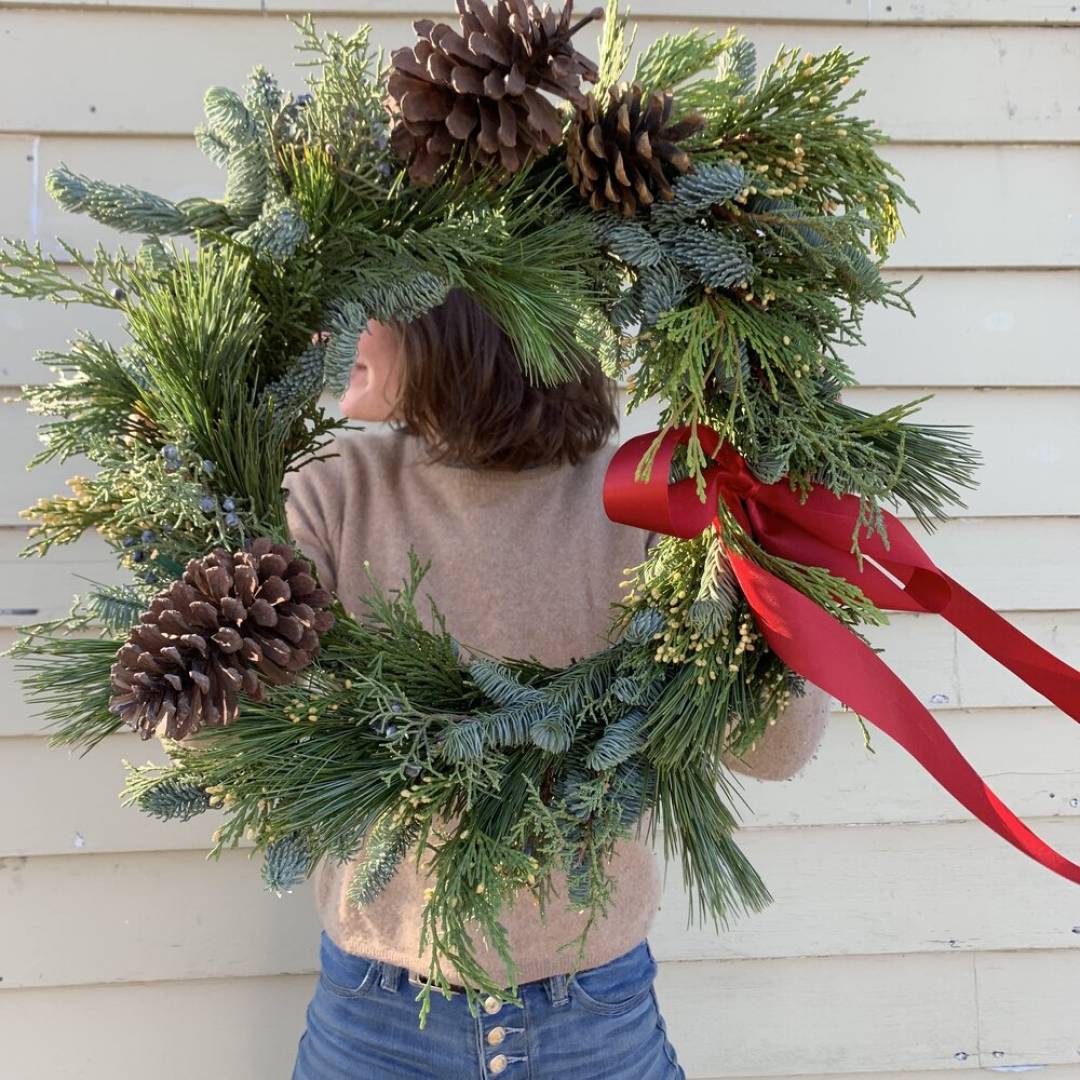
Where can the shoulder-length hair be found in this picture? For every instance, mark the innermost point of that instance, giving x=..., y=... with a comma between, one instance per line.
x=464, y=392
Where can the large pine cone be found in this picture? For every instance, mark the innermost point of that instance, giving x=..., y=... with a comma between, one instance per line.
x=228, y=621
x=480, y=89
x=616, y=152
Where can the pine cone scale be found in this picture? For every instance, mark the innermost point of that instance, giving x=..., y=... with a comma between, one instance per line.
x=194, y=641
x=420, y=106
x=595, y=142
x=488, y=137
x=466, y=80
x=477, y=17
x=231, y=607
x=204, y=614
x=226, y=639
x=459, y=124
x=543, y=115
x=482, y=43
x=409, y=73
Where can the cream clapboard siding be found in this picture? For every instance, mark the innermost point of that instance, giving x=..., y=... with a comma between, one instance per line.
x=906, y=939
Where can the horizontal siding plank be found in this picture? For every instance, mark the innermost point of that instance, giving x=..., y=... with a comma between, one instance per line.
x=147, y=916
x=796, y=12
x=896, y=888
x=843, y=784
x=35, y=589
x=1046, y=1072
x=979, y=552
x=1019, y=1029
x=1001, y=12
x=838, y=891
x=969, y=328
x=870, y=1013
x=1013, y=83
x=967, y=331
x=246, y=1027
x=79, y=799
x=950, y=228
x=827, y=1016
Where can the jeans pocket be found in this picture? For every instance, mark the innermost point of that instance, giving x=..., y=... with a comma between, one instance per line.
x=618, y=986
x=344, y=974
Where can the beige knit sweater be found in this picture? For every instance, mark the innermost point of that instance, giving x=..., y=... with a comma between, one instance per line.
x=524, y=563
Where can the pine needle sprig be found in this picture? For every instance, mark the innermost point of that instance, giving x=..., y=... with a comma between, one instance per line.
x=67, y=674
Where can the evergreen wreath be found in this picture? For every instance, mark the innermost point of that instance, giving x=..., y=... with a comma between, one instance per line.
x=716, y=229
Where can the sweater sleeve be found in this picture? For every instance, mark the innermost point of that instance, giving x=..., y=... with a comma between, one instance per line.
x=313, y=514
x=787, y=746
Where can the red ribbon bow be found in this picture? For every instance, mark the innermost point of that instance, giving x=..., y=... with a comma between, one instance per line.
x=816, y=645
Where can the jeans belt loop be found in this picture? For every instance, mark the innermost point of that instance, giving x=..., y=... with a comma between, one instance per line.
x=556, y=989
x=390, y=977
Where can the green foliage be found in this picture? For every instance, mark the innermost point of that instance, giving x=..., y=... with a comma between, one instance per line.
x=170, y=798
x=287, y=863
x=402, y=298
x=614, y=48
x=68, y=676
x=619, y=741
x=673, y=58
x=697, y=827
x=116, y=607
x=94, y=398
x=345, y=110
x=389, y=842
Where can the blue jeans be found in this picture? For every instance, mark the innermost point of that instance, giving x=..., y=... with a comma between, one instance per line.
x=602, y=1024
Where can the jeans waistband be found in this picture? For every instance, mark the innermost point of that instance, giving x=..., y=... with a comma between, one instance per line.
x=390, y=978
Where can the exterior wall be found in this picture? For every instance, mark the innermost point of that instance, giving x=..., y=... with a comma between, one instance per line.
x=905, y=939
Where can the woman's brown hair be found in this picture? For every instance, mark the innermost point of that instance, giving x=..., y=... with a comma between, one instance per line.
x=464, y=392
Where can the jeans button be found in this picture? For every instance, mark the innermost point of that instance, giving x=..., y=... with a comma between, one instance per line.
x=497, y=1063
x=496, y=1036
x=492, y=1005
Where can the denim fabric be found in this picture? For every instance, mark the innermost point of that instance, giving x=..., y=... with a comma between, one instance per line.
x=601, y=1024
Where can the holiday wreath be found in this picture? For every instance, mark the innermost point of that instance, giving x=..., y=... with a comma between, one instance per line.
x=690, y=219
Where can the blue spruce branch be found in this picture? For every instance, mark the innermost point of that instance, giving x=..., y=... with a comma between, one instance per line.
x=173, y=800
x=286, y=862
x=387, y=845
x=620, y=740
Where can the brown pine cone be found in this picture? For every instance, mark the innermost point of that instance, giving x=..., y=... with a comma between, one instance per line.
x=480, y=90
x=616, y=152
x=228, y=621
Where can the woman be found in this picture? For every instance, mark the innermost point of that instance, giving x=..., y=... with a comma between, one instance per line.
x=499, y=484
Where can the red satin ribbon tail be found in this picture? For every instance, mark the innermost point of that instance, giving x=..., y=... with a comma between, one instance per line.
x=1041, y=670
x=827, y=653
